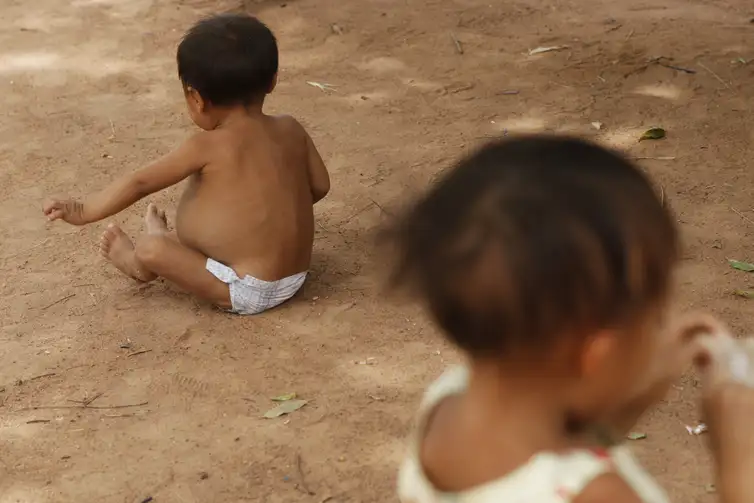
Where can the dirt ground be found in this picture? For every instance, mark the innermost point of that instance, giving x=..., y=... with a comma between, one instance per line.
x=89, y=90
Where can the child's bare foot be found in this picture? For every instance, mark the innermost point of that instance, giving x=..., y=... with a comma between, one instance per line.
x=116, y=247
x=155, y=220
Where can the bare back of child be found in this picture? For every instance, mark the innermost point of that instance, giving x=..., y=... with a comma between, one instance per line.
x=245, y=224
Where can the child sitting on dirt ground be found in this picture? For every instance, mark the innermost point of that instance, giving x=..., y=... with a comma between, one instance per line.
x=245, y=224
x=548, y=261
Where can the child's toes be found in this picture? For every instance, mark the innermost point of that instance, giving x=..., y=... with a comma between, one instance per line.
x=104, y=246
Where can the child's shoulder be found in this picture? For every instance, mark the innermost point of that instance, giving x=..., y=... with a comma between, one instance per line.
x=288, y=125
x=547, y=477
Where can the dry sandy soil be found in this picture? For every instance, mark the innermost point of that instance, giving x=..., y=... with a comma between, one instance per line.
x=89, y=90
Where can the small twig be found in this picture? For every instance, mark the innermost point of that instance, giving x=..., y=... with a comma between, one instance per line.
x=331, y=497
x=747, y=219
x=83, y=284
x=673, y=67
x=359, y=212
x=90, y=400
x=386, y=212
x=299, y=463
x=82, y=406
x=118, y=415
x=714, y=75
x=138, y=352
x=661, y=158
x=630, y=34
x=457, y=43
x=615, y=28
x=58, y=301
x=35, y=421
x=662, y=196
x=508, y=92
x=116, y=406
x=49, y=374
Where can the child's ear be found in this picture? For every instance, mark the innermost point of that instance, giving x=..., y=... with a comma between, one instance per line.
x=597, y=352
x=194, y=96
x=273, y=84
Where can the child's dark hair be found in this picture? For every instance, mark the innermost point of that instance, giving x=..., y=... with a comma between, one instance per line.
x=533, y=238
x=229, y=59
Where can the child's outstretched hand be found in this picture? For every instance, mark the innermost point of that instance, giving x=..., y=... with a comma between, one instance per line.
x=727, y=368
x=68, y=210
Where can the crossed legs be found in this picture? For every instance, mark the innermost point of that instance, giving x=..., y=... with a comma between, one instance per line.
x=155, y=253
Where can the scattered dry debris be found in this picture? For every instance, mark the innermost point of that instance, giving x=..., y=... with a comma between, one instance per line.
x=322, y=86
x=84, y=406
x=542, y=50
x=58, y=301
x=368, y=361
x=696, y=430
x=746, y=294
x=456, y=43
x=747, y=219
x=714, y=75
x=284, y=398
x=138, y=352
x=304, y=486
x=597, y=125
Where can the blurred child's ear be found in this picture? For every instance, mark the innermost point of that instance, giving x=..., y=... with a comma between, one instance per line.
x=597, y=351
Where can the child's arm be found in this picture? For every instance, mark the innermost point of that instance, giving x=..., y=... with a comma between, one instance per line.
x=122, y=193
x=319, y=178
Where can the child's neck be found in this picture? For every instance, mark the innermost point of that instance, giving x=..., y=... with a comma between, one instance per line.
x=228, y=116
x=496, y=426
x=529, y=402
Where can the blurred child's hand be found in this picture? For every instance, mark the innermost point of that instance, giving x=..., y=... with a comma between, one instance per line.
x=679, y=349
x=728, y=409
x=68, y=210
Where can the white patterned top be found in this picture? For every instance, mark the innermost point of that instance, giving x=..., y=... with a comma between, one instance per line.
x=547, y=478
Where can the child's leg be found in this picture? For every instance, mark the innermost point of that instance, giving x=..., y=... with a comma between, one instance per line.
x=157, y=254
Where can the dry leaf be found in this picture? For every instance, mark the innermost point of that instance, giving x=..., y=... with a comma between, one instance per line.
x=285, y=408
x=656, y=133
x=284, y=398
x=741, y=266
x=635, y=435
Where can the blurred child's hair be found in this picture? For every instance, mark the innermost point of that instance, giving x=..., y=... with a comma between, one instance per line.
x=229, y=59
x=533, y=238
